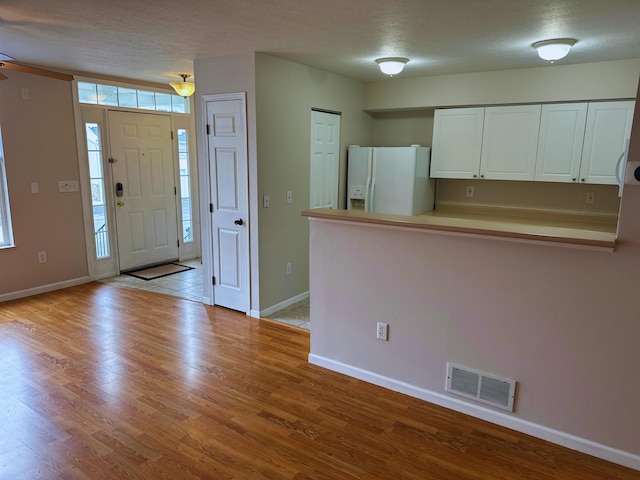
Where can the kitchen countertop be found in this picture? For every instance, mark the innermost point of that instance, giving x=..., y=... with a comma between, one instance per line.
x=578, y=233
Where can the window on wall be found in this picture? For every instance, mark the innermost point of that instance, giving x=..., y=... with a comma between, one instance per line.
x=111, y=95
x=185, y=186
x=6, y=234
x=98, y=198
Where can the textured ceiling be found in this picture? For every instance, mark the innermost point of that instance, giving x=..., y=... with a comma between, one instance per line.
x=154, y=40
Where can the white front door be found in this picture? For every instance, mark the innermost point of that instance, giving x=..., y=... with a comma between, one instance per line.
x=144, y=186
x=325, y=159
x=227, y=156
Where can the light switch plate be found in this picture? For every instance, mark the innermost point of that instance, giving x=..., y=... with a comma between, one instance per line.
x=65, y=186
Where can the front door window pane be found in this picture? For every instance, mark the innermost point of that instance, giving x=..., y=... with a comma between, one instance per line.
x=127, y=97
x=87, y=93
x=98, y=199
x=185, y=185
x=107, y=95
x=146, y=100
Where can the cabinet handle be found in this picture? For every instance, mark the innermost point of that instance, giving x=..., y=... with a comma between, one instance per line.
x=482, y=176
x=574, y=179
x=583, y=180
x=474, y=176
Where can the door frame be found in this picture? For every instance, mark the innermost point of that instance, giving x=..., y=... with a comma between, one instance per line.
x=94, y=113
x=206, y=226
x=335, y=179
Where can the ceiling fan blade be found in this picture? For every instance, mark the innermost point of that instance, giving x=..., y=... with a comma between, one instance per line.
x=35, y=71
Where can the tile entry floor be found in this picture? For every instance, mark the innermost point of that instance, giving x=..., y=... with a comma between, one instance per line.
x=188, y=285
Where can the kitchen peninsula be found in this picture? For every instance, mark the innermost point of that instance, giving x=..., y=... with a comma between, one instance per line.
x=502, y=226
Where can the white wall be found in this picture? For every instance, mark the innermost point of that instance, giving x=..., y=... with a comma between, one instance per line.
x=561, y=321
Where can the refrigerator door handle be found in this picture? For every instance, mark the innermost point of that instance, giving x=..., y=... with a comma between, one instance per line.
x=373, y=189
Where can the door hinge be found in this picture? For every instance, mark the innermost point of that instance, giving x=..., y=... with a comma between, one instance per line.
x=178, y=242
x=211, y=207
x=171, y=134
x=208, y=131
x=213, y=280
x=175, y=190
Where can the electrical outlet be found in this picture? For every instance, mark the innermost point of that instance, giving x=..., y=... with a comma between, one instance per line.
x=591, y=198
x=266, y=201
x=469, y=191
x=383, y=331
x=42, y=257
x=288, y=268
x=289, y=197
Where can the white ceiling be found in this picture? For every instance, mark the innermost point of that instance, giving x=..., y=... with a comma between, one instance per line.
x=154, y=40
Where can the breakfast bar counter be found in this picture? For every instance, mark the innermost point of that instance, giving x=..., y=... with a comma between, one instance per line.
x=504, y=225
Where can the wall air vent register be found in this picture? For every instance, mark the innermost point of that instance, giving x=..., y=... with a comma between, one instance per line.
x=492, y=390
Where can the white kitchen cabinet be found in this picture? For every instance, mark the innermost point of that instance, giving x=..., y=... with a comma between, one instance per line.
x=510, y=142
x=607, y=130
x=457, y=143
x=560, y=142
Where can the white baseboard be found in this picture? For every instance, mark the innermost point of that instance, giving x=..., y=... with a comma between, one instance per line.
x=43, y=289
x=268, y=311
x=561, y=438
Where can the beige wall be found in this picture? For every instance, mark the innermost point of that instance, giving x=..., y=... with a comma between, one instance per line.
x=399, y=129
x=561, y=197
x=229, y=74
x=556, y=83
x=285, y=94
x=40, y=146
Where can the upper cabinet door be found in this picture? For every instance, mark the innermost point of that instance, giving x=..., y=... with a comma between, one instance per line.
x=457, y=143
x=607, y=131
x=510, y=142
x=560, y=142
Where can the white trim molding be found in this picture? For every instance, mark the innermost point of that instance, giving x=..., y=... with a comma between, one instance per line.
x=43, y=289
x=561, y=438
x=279, y=306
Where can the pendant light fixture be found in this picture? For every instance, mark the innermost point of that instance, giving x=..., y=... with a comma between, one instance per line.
x=184, y=89
x=553, y=50
x=391, y=65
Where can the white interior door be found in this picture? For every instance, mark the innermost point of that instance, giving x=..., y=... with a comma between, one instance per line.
x=325, y=159
x=227, y=156
x=146, y=217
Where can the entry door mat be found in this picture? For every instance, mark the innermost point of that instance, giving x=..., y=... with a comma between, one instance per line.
x=159, y=271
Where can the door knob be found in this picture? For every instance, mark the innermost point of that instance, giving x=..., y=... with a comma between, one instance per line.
x=120, y=204
x=239, y=222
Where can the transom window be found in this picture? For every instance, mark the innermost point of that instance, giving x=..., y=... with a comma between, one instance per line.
x=113, y=96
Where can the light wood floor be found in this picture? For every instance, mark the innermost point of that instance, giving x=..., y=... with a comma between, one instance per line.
x=99, y=382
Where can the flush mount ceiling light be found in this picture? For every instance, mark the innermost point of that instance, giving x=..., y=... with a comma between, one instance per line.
x=553, y=50
x=184, y=89
x=391, y=65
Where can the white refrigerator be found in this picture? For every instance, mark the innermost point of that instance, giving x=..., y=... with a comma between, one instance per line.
x=389, y=180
